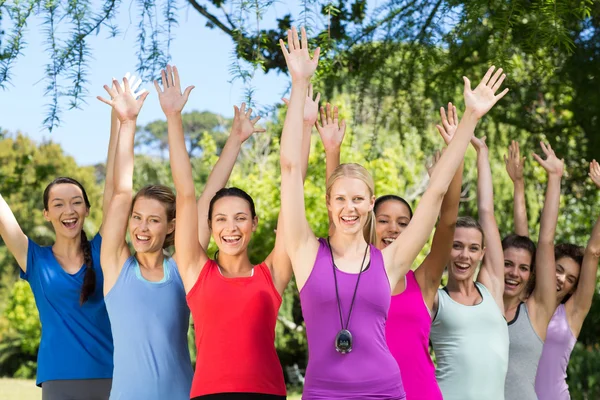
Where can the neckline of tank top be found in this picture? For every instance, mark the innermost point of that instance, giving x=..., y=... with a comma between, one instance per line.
x=138, y=272
x=364, y=270
x=512, y=321
x=445, y=289
x=234, y=277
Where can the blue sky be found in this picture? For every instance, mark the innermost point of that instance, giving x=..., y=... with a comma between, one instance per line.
x=202, y=55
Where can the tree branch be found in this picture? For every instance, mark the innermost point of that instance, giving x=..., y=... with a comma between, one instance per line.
x=202, y=10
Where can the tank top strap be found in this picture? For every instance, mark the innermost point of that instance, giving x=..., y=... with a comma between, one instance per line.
x=262, y=270
x=411, y=282
x=485, y=293
x=376, y=259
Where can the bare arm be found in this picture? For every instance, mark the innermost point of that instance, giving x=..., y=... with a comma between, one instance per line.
x=243, y=127
x=191, y=257
x=544, y=294
x=514, y=167
x=12, y=235
x=491, y=274
x=429, y=273
x=114, y=251
x=299, y=240
x=399, y=256
x=578, y=306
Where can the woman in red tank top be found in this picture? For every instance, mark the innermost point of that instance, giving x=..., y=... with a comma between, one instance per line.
x=234, y=303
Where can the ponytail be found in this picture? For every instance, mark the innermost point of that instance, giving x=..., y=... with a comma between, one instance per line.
x=89, y=280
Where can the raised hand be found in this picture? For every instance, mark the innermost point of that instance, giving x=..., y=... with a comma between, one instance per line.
x=243, y=127
x=432, y=161
x=311, y=107
x=134, y=84
x=449, y=124
x=483, y=98
x=595, y=172
x=331, y=130
x=479, y=143
x=170, y=97
x=514, y=162
x=551, y=164
x=123, y=100
x=299, y=63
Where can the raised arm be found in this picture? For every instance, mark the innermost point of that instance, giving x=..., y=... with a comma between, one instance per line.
x=491, y=274
x=299, y=240
x=580, y=302
x=12, y=235
x=191, y=257
x=399, y=256
x=429, y=273
x=114, y=251
x=332, y=132
x=243, y=127
x=544, y=293
x=514, y=166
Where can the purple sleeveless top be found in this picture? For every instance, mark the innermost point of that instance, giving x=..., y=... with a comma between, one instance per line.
x=369, y=371
x=407, y=332
x=551, y=378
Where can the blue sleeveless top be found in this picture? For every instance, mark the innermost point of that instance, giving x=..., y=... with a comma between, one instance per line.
x=76, y=339
x=150, y=323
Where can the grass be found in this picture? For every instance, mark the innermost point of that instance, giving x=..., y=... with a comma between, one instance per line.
x=21, y=389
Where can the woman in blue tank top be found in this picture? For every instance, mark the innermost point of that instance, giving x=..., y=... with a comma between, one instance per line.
x=75, y=357
x=144, y=293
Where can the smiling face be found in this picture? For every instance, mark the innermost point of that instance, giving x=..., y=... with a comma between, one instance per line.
x=391, y=218
x=349, y=203
x=232, y=224
x=517, y=271
x=66, y=209
x=148, y=225
x=567, y=275
x=467, y=252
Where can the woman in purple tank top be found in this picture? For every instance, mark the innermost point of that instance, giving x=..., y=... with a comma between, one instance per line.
x=409, y=317
x=345, y=282
x=576, y=270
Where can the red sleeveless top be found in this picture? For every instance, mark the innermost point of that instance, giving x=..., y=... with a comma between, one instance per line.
x=234, y=321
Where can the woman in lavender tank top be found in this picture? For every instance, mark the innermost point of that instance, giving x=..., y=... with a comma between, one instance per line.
x=346, y=276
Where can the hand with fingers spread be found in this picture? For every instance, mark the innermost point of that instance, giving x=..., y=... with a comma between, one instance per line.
x=595, y=172
x=483, y=98
x=311, y=107
x=243, y=127
x=449, y=124
x=123, y=100
x=514, y=162
x=171, y=99
x=134, y=84
x=552, y=164
x=432, y=161
x=330, y=129
x=479, y=144
x=300, y=64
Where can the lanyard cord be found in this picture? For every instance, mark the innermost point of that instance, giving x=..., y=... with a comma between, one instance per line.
x=355, y=288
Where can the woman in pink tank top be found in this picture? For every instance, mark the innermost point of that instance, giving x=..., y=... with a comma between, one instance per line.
x=409, y=318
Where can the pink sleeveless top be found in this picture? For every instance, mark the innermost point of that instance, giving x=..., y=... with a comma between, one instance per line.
x=551, y=379
x=407, y=333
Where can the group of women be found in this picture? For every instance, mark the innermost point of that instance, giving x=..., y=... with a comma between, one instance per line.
x=114, y=323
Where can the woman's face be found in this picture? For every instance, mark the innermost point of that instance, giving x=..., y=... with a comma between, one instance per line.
x=567, y=275
x=148, y=225
x=467, y=252
x=232, y=225
x=517, y=271
x=391, y=218
x=66, y=210
x=349, y=203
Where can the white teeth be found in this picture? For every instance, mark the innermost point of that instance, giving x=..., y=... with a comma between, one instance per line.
x=388, y=240
x=142, y=237
x=511, y=282
x=461, y=265
x=231, y=238
x=70, y=221
x=349, y=219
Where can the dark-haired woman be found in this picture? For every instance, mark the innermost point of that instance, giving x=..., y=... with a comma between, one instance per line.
x=234, y=303
x=528, y=314
x=469, y=333
x=144, y=293
x=573, y=288
x=75, y=358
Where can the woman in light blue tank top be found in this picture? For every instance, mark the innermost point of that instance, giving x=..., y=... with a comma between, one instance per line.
x=469, y=332
x=144, y=294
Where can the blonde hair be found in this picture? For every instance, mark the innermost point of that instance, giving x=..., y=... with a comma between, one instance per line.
x=356, y=171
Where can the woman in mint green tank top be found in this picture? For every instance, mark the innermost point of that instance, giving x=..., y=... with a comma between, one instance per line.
x=469, y=332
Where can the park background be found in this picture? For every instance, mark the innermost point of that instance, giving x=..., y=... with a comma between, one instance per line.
x=389, y=66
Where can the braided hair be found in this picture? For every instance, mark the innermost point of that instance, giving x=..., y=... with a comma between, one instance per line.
x=89, y=280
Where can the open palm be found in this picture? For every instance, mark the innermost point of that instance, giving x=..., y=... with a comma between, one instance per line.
x=483, y=98
x=171, y=99
x=123, y=100
x=299, y=63
x=552, y=164
x=243, y=126
x=331, y=130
